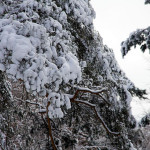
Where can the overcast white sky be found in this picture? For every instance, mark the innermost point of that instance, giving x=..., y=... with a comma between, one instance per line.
x=115, y=20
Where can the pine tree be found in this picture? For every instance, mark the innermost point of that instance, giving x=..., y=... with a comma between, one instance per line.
x=139, y=37
x=59, y=68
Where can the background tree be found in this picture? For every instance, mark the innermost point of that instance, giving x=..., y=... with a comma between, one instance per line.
x=139, y=37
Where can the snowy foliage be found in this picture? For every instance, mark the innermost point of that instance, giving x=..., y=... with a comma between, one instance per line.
x=80, y=10
x=51, y=47
x=28, y=53
x=40, y=51
x=139, y=37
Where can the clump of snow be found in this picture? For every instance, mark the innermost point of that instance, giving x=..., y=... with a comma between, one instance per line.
x=82, y=11
x=54, y=108
x=27, y=52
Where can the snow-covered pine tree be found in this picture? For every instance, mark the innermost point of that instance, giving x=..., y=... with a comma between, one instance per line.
x=53, y=57
x=139, y=37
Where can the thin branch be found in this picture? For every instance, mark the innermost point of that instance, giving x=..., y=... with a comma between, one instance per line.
x=103, y=123
x=93, y=107
x=104, y=99
x=50, y=130
x=30, y=102
x=87, y=90
x=45, y=123
x=35, y=103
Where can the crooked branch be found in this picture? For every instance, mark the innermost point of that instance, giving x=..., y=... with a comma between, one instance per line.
x=93, y=107
x=87, y=90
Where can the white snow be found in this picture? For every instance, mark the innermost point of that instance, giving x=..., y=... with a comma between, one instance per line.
x=140, y=108
x=81, y=11
x=27, y=53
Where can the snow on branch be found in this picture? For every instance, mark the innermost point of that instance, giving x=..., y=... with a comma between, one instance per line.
x=93, y=107
x=96, y=92
x=35, y=103
x=92, y=91
x=139, y=37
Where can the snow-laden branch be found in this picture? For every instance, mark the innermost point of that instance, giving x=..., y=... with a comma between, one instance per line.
x=96, y=92
x=93, y=107
x=91, y=91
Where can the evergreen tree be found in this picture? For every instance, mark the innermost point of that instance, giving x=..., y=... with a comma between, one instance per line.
x=59, y=67
x=139, y=37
